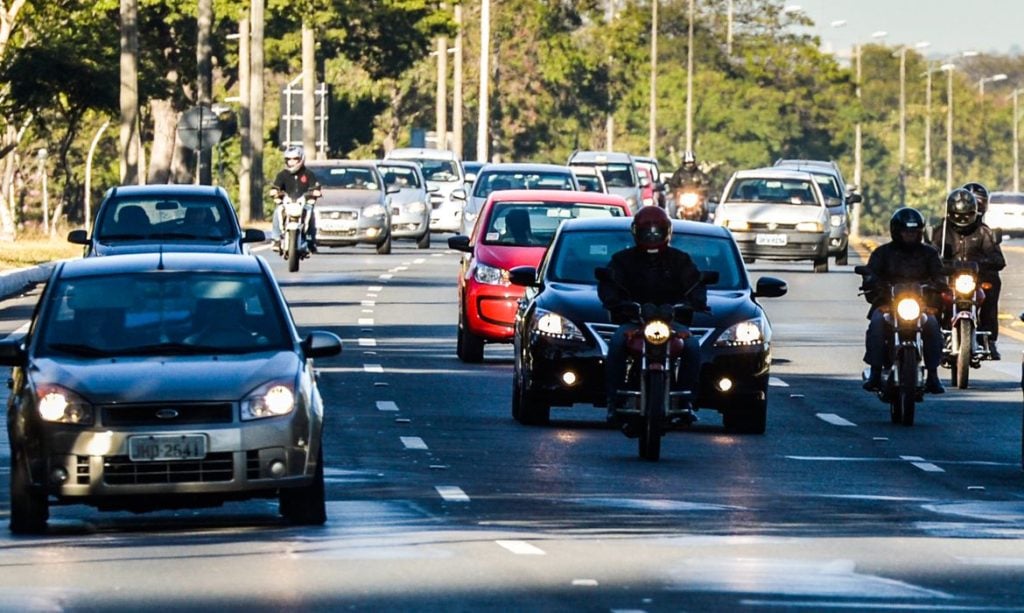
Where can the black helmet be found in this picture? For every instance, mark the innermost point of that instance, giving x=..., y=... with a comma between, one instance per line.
x=961, y=207
x=652, y=228
x=980, y=194
x=903, y=219
x=689, y=159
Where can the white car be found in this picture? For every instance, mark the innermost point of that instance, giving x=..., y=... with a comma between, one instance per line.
x=1006, y=213
x=442, y=171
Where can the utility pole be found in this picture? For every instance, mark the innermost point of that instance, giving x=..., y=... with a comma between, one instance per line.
x=689, y=82
x=949, y=129
x=484, y=118
x=257, y=20
x=129, y=93
x=245, y=166
x=309, y=90
x=928, y=127
x=1016, y=144
x=609, y=122
x=652, y=138
x=457, y=94
x=857, y=143
x=903, y=126
x=204, y=84
x=441, y=104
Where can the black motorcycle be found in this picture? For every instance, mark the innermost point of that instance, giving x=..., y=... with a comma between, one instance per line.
x=965, y=346
x=903, y=373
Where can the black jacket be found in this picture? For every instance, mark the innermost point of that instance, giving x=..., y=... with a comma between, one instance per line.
x=635, y=276
x=295, y=185
x=692, y=178
x=891, y=264
x=975, y=243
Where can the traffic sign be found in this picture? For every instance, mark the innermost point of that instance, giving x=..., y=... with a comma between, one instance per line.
x=199, y=128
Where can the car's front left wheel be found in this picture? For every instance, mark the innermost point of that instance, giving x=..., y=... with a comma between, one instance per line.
x=751, y=418
x=305, y=506
x=30, y=507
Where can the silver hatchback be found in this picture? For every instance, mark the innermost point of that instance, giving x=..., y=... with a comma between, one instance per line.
x=410, y=200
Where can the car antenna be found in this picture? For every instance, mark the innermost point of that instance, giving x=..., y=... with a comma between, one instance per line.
x=160, y=263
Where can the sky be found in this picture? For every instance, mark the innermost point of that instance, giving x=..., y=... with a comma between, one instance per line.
x=950, y=26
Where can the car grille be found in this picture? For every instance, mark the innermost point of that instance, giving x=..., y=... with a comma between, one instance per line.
x=167, y=414
x=119, y=470
x=339, y=215
x=772, y=226
x=604, y=332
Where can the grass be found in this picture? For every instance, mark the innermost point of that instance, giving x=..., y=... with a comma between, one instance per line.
x=30, y=250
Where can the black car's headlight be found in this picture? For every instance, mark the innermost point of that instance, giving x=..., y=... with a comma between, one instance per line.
x=270, y=400
x=553, y=325
x=743, y=334
x=59, y=404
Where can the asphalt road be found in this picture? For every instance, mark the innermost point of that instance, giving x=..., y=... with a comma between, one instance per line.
x=438, y=500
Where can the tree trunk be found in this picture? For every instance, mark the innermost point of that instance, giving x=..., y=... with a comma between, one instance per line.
x=165, y=120
x=129, y=96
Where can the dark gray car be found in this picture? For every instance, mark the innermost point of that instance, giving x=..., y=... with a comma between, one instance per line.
x=355, y=205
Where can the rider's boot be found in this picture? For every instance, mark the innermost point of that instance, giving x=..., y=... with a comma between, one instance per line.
x=933, y=385
x=993, y=352
x=874, y=381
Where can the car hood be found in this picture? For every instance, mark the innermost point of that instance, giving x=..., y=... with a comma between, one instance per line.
x=357, y=198
x=771, y=212
x=625, y=192
x=178, y=246
x=164, y=379
x=408, y=196
x=504, y=256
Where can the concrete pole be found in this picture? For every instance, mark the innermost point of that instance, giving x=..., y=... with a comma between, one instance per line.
x=689, y=81
x=308, y=90
x=609, y=122
x=1016, y=144
x=483, y=135
x=949, y=131
x=204, y=84
x=245, y=165
x=928, y=128
x=903, y=126
x=728, y=31
x=457, y=120
x=441, y=105
x=256, y=102
x=857, y=159
x=652, y=137
x=129, y=93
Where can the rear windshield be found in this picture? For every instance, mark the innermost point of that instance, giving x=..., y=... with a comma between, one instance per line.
x=533, y=224
x=496, y=181
x=1006, y=198
x=615, y=175
x=444, y=171
x=776, y=191
x=346, y=177
x=166, y=216
x=399, y=176
x=577, y=254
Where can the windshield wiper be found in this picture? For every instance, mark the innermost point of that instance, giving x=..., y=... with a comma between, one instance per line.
x=182, y=349
x=123, y=237
x=80, y=349
x=186, y=235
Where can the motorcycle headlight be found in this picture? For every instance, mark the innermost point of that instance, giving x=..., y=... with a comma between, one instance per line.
x=737, y=224
x=835, y=220
x=748, y=332
x=490, y=275
x=964, y=284
x=375, y=210
x=59, y=404
x=270, y=400
x=908, y=309
x=809, y=226
x=657, y=332
x=417, y=207
x=293, y=208
x=689, y=200
x=554, y=325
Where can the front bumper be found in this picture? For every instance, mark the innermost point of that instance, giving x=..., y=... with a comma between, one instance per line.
x=446, y=217
x=491, y=310
x=409, y=225
x=350, y=228
x=797, y=245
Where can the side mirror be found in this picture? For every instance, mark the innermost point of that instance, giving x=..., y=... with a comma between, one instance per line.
x=320, y=344
x=525, y=276
x=252, y=235
x=854, y=199
x=460, y=242
x=645, y=182
x=12, y=352
x=392, y=189
x=459, y=194
x=433, y=189
x=770, y=287
x=78, y=237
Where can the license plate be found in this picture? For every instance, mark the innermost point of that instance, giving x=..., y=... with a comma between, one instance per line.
x=333, y=225
x=771, y=239
x=166, y=447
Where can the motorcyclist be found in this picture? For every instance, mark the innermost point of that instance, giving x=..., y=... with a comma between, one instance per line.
x=963, y=236
x=294, y=181
x=649, y=272
x=689, y=175
x=906, y=259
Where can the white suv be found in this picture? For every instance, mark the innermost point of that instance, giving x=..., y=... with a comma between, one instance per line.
x=445, y=182
x=1006, y=213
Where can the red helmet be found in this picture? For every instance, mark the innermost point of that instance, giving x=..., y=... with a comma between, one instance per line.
x=652, y=228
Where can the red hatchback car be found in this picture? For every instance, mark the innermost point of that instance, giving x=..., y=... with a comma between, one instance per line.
x=514, y=228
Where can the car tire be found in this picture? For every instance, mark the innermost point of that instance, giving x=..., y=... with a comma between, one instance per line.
x=843, y=258
x=424, y=241
x=532, y=412
x=469, y=347
x=821, y=264
x=30, y=507
x=747, y=260
x=751, y=419
x=385, y=247
x=306, y=506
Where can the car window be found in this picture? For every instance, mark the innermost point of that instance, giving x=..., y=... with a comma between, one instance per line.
x=166, y=216
x=1006, y=198
x=401, y=177
x=589, y=183
x=577, y=254
x=439, y=170
x=496, y=181
x=346, y=177
x=829, y=188
x=776, y=191
x=525, y=224
x=133, y=314
x=616, y=175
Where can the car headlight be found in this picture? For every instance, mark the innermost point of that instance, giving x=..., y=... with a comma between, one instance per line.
x=490, y=275
x=417, y=207
x=835, y=220
x=657, y=332
x=908, y=309
x=809, y=226
x=469, y=216
x=689, y=200
x=737, y=224
x=375, y=210
x=554, y=325
x=631, y=201
x=964, y=284
x=744, y=333
x=59, y=404
x=270, y=400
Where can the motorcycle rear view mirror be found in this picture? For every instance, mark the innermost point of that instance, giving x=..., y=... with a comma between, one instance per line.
x=862, y=270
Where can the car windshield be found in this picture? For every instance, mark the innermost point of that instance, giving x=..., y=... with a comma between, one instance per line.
x=829, y=188
x=439, y=170
x=616, y=175
x=401, y=177
x=577, y=254
x=524, y=224
x=161, y=313
x=347, y=177
x=502, y=180
x=163, y=216
x=1006, y=198
x=775, y=191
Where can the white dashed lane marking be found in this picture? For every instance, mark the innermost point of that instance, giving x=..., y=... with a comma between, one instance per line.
x=521, y=548
x=777, y=382
x=452, y=493
x=367, y=342
x=418, y=261
x=368, y=303
x=834, y=419
x=365, y=321
x=919, y=462
x=413, y=442
x=374, y=368
x=375, y=288
x=386, y=275
x=386, y=405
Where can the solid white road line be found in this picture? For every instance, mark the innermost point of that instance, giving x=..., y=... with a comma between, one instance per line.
x=413, y=442
x=419, y=261
x=368, y=303
x=521, y=548
x=919, y=462
x=834, y=419
x=386, y=275
x=374, y=368
x=777, y=382
x=367, y=342
x=375, y=288
x=365, y=321
x=452, y=493
x=386, y=405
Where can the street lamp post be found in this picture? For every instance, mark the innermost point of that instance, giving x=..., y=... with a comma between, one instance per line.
x=1016, y=143
x=949, y=68
x=982, y=81
x=689, y=81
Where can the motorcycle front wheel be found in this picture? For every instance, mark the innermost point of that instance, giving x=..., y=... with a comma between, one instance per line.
x=655, y=395
x=907, y=394
x=962, y=369
x=293, y=250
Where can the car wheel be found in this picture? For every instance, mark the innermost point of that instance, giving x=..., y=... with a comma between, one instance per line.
x=30, y=507
x=821, y=264
x=751, y=419
x=305, y=506
x=424, y=241
x=532, y=412
x=385, y=247
x=842, y=259
x=749, y=260
x=469, y=347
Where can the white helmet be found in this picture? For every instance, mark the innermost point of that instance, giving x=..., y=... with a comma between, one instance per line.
x=294, y=153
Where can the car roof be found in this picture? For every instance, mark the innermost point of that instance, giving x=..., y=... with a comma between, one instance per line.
x=341, y=163
x=600, y=157
x=811, y=163
x=398, y=162
x=586, y=170
x=189, y=189
x=591, y=224
x=524, y=167
x=420, y=152
x=556, y=195
x=167, y=261
x=773, y=173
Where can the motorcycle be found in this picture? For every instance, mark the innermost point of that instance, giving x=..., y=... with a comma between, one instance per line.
x=294, y=224
x=653, y=362
x=965, y=346
x=690, y=204
x=903, y=373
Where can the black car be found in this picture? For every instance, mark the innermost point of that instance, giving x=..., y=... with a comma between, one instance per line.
x=145, y=218
x=164, y=380
x=562, y=331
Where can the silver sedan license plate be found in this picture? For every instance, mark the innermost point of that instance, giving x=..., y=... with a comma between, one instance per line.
x=778, y=240
x=160, y=448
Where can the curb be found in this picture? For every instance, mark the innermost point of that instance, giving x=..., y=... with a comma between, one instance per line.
x=13, y=282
